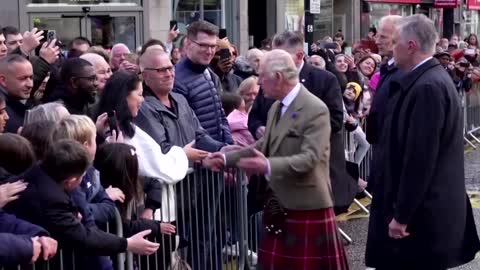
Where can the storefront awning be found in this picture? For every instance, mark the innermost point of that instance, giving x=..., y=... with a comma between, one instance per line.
x=473, y=4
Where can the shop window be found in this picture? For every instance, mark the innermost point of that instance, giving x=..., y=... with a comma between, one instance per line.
x=107, y=31
x=323, y=22
x=378, y=10
x=66, y=28
x=471, y=23
x=188, y=11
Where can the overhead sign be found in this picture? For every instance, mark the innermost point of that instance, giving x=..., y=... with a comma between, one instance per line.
x=315, y=6
x=473, y=4
x=446, y=3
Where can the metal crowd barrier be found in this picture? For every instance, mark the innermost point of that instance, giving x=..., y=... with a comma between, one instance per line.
x=213, y=229
x=58, y=260
x=210, y=214
x=471, y=115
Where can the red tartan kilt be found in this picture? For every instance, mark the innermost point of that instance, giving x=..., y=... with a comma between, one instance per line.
x=310, y=241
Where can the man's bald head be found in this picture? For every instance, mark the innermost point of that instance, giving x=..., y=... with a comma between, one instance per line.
x=158, y=71
x=102, y=68
x=93, y=58
x=150, y=57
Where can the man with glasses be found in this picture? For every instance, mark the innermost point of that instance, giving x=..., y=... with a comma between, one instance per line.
x=198, y=84
x=102, y=69
x=201, y=87
x=78, y=87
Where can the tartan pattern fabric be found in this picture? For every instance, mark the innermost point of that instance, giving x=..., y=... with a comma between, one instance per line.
x=310, y=241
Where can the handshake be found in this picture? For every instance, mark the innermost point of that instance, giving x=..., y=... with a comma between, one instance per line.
x=247, y=159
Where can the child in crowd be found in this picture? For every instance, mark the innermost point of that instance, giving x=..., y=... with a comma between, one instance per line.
x=237, y=117
x=47, y=202
x=118, y=165
x=99, y=201
x=351, y=98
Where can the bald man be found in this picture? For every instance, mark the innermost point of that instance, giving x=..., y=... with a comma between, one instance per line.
x=102, y=69
x=317, y=61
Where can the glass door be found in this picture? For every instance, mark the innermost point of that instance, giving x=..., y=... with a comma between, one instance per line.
x=67, y=27
x=108, y=29
x=102, y=29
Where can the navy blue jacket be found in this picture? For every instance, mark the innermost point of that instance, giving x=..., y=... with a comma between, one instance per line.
x=91, y=197
x=202, y=94
x=15, y=234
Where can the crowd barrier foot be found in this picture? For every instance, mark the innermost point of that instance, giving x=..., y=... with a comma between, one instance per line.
x=345, y=236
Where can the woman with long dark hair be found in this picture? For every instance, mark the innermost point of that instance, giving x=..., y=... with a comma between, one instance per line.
x=118, y=166
x=123, y=95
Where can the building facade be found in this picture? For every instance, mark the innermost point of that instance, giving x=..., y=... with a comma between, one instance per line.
x=132, y=22
x=248, y=22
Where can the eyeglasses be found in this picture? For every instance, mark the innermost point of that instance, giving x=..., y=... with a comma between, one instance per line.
x=164, y=70
x=205, y=46
x=92, y=78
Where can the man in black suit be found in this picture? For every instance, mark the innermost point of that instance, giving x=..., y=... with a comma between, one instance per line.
x=324, y=85
x=376, y=116
x=421, y=217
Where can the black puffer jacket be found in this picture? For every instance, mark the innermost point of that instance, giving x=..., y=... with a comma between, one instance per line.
x=202, y=94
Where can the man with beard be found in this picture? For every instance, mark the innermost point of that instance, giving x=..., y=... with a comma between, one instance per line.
x=16, y=82
x=78, y=86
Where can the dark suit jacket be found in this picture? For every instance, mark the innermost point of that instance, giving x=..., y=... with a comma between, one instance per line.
x=325, y=86
x=422, y=181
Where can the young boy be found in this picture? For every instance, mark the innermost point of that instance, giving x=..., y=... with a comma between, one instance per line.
x=47, y=203
x=91, y=193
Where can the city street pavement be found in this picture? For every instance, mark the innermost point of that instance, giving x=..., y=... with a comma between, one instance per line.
x=357, y=229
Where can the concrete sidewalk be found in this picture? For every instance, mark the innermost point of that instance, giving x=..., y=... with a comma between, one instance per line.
x=357, y=229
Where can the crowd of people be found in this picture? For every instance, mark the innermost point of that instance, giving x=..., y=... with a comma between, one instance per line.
x=195, y=102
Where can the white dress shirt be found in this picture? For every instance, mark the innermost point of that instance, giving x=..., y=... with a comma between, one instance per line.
x=421, y=63
x=288, y=99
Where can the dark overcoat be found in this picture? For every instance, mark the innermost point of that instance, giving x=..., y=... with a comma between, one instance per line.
x=422, y=181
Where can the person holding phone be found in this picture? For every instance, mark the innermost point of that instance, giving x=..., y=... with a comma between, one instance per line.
x=222, y=65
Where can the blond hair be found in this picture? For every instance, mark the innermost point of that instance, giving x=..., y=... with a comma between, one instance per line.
x=75, y=127
x=247, y=84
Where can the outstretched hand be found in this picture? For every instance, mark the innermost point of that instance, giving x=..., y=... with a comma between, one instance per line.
x=258, y=164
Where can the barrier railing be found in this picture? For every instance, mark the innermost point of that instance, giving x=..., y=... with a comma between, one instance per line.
x=471, y=114
x=59, y=262
x=210, y=214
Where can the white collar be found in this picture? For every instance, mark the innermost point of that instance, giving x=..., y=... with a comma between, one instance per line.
x=288, y=99
x=391, y=61
x=301, y=66
x=421, y=63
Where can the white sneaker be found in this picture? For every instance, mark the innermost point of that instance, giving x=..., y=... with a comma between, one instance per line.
x=369, y=268
x=252, y=258
x=233, y=250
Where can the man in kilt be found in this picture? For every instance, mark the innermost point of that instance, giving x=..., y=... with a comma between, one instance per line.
x=299, y=230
